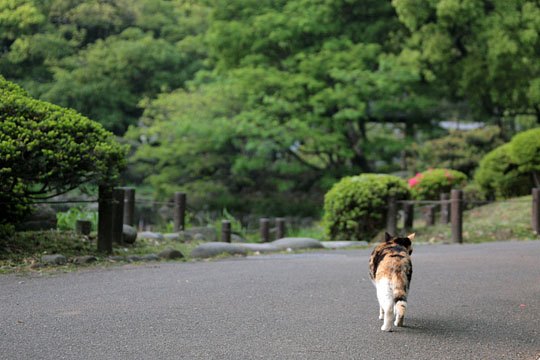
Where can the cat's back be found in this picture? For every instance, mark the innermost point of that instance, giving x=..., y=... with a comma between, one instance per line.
x=388, y=258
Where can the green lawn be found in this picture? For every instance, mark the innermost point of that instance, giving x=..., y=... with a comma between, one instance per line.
x=503, y=220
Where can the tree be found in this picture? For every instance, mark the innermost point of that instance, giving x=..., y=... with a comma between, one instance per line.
x=482, y=52
x=18, y=17
x=46, y=150
x=459, y=150
x=185, y=142
x=101, y=57
x=317, y=87
x=107, y=80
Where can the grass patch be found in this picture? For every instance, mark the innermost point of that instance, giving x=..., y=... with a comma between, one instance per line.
x=502, y=220
x=505, y=220
x=20, y=251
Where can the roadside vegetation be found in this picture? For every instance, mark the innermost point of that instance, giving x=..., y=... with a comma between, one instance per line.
x=503, y=220
x=267, y=109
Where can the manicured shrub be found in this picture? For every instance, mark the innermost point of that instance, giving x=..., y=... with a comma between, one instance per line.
x=47, y=150
x=430, y=184
x=525, y=153
x=498, y=175
x=355, y=208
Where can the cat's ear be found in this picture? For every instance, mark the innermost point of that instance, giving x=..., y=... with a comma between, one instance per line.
x=387, y=237
x=411, y=236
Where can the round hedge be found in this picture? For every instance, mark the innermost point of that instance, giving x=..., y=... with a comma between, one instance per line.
x=355, y=208
x=430, y=184
x=46, y=150
x=525, y=153
x=498, y=176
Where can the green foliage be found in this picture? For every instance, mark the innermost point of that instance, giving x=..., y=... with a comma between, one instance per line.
x=291, y=107
x=460, y=150
x=355, y=208
x=525, y=152
x=66, y=220
x=18, y=17
x=498, y=175
x=47, y=150
x=126, y=67
x=241, y=102
x=497, y=221
x=6, y=231
x=199, y=142
x=101, y=57
x=513, y=168
x=430, y=184
x=483, y=52
x=20, y=246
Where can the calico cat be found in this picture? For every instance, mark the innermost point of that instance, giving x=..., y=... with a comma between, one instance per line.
x=390, y=268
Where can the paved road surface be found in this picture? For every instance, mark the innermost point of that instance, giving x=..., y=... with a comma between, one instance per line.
x=466, y=302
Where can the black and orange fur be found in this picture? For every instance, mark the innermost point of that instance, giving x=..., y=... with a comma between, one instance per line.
x=390, y=268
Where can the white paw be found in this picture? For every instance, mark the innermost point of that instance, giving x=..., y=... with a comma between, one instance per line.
x=386, y=328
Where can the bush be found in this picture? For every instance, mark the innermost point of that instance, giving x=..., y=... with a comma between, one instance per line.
x=67, y=220
x=355, y=208
x=498, y=175
x=430, y=184
x=47, y=150
x=473, y=195
x=525, y=153
x=459, y=150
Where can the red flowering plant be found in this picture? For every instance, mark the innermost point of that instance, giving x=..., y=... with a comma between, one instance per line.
x=428, y=185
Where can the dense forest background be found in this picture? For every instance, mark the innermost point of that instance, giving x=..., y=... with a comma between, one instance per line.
x=261, y=105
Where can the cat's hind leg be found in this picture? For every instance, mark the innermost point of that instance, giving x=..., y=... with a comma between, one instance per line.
x=400, y=308
x=386, y=301
x=381, y=313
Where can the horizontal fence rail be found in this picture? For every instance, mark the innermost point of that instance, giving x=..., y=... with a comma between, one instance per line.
x=451, y=211
x=116, y=207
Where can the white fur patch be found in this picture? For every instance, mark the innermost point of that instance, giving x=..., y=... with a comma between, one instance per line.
x=385, y=295
x=400, y=309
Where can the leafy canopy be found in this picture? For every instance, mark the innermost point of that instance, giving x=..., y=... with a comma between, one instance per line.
x=46, y=150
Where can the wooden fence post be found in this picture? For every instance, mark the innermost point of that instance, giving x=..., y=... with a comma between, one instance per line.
x=408, y=221
x=105, y=215
x=536, y=210
x=129, y=206
x=445, y=209
x=118, y=215
x=280, y=228
x=226, y=231
x=391, y=216
x=429, y=215
x=456, y=215
x=265, y=229
x=83, y=227
x=179, y=211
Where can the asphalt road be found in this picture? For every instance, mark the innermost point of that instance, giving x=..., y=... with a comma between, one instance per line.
x=466, y=302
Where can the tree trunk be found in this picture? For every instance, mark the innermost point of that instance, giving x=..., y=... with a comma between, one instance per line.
x=536, y=179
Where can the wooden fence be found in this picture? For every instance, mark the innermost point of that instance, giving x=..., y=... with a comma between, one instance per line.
x=116, y=208
x=451, y=211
